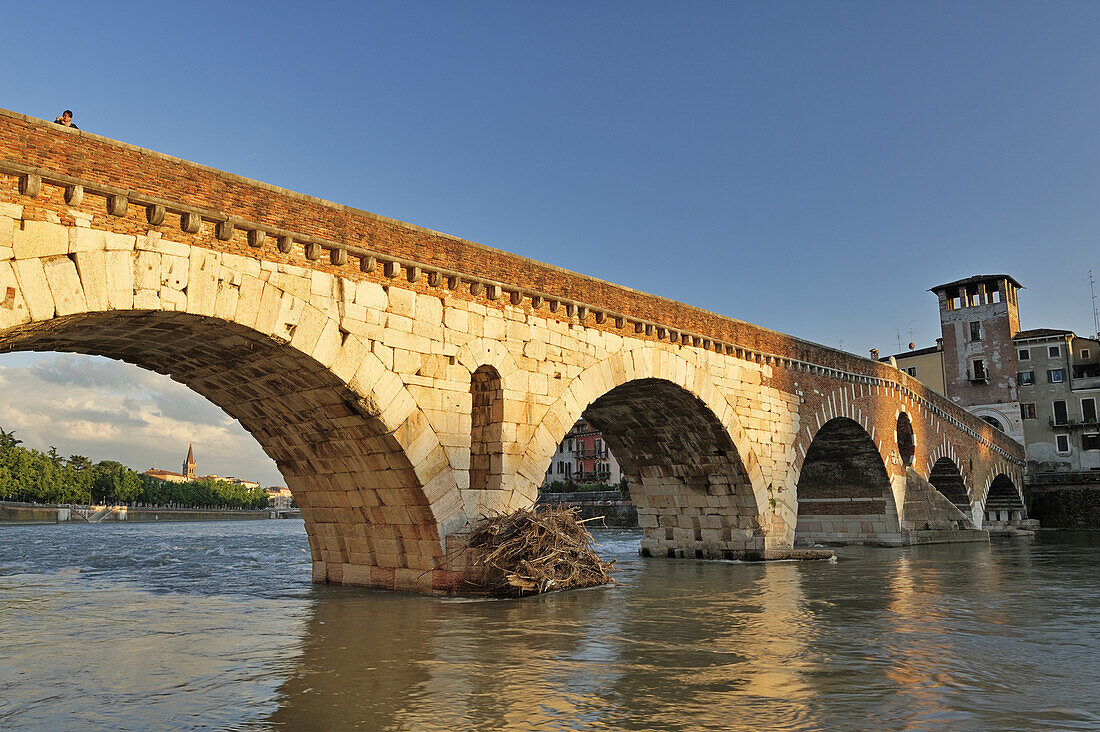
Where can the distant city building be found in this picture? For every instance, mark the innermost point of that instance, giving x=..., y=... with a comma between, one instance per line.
x=583, y=457
x=1041, y=386
x=279, y=497
x=189, y=473
x=186, y=476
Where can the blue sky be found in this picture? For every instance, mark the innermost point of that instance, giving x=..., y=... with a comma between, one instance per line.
x=809, y=167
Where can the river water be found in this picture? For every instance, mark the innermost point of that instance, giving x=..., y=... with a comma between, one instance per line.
x=216, y=626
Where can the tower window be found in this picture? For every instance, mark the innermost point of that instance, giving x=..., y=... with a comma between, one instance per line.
x=976, y=330
x=977, y=370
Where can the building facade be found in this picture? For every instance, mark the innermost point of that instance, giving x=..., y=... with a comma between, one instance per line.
x=1058, y=374
x=1039, y=386
x=583, y=457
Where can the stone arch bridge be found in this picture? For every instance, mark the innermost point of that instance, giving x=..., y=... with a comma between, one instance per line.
x=407, y=382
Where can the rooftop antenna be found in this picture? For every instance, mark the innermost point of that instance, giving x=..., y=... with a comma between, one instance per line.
x=1095, y=312
x=899, y=339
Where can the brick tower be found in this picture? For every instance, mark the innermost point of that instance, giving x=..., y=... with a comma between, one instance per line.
x=978, y=318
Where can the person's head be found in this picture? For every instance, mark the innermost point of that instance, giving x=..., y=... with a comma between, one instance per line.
x=67, y=115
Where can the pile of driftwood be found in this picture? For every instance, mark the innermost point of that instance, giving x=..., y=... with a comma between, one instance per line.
x=537, y=550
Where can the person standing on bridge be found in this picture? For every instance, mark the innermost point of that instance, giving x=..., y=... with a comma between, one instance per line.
x=66, y=119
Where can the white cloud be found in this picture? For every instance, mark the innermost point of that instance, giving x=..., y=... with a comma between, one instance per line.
x=109, y=410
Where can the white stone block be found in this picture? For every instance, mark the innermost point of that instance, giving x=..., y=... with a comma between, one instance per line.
x=40, y=239
x=92, y=268
x=147, y=300
x=203, y=272
x=402, y=302
x=64, y=282
x=120, y=279
x=13, y=306
x=86, y=240
x=119, y=242
x=146, y=270
x=36, y=291
x=174, y=271
x=153, y=243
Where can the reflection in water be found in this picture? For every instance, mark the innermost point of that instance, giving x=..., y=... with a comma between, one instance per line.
x=215, y=626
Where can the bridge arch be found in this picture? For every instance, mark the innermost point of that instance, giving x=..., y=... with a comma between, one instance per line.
x=653, y=408
x=360, y=456
x=1003, y=504
x=948, y=479
x=843, y=488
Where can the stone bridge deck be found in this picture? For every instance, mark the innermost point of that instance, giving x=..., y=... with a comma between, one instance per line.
x=407, y=382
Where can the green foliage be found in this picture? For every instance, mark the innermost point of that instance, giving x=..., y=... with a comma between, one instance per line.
x=32, y=476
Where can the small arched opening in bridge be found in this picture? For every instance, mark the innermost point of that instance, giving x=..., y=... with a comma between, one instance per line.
x=1003, y=504
x=685, y=476
x=948, y=480
x=905, y=439
x=844, y=490
x=364, y=507
x=487, y=417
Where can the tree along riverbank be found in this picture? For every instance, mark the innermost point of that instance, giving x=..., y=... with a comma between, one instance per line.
x=32, y=476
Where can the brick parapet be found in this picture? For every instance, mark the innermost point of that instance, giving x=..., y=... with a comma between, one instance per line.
x=40, y=150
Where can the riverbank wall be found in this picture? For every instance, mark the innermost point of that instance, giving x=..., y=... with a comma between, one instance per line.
x=1066, y=506
x=29, y=513
x=615, y=510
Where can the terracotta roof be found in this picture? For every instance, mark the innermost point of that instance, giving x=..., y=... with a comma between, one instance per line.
x=1041, y=333
x=976, y=279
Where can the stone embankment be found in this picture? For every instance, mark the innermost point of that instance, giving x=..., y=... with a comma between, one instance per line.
x=29, y=513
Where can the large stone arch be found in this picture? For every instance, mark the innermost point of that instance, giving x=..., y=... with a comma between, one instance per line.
x=725, y=464
x=843, y=487
x=267, y=346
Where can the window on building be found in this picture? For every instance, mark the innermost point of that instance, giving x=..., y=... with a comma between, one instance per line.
x=996, y=296
x=977, y=370
x=599, y=446
x=569, y=470
x=911, y=370
x=1024, y=354
x=976, y=330
x=569, y=445
x=1090, y=441
x=1084, y=353
x=1062, y=444
x=1088, y=410
x=1056, y=376
x=1027, y=411
x=1054, y=351
x=1025, y=378
x=1061, y=414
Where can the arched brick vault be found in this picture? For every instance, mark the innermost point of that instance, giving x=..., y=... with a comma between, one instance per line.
x=844, y=490
x=681, y=446
x=361, y=458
